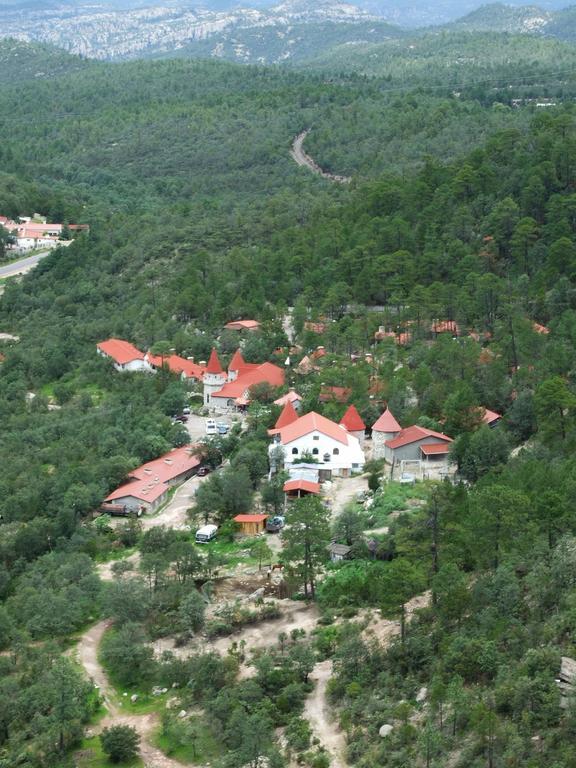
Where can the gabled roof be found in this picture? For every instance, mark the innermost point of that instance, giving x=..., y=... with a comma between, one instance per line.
x=242, y=325
x=313, y=422
x=489, y=417
x=352, y=420
x=386, y=423
x=339, y=394
x=149, y=481
x=250, y=518
x=413, y=435
x=120, y=351
x=214, y=363
x=445, y=326
x=289, y=397
x=302, y=485
x=287, y=416
x=266, y=373
x=237, y=361
x=541, y=329
x=177, y=365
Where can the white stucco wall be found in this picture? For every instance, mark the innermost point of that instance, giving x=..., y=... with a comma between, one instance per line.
x=349, y=457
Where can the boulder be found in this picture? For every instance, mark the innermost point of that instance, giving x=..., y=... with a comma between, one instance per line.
x=182, y=714
x=385, y=730
x=422, y=695
x=134, y=698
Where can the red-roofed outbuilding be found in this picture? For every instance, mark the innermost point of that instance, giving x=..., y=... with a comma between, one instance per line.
x=353, y=422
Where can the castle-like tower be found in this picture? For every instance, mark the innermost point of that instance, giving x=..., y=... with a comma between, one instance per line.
x=214, y=377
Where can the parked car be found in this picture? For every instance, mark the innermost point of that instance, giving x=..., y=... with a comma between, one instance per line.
x=211, y=428
x=275, y=524
x=222, y=428
x=203, y=471
x=206, y=534
x=186, y=411
x=182, y=418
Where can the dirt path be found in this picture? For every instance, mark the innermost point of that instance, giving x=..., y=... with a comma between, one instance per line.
x=87, y=654
x=316, y=712
x=344, y=491
x=299, y=156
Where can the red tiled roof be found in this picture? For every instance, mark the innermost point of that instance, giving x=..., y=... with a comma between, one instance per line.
x=318, y=353
x=214, y=363
x=339, y=394
x=287, y=416
x=265, y=373
x=250, y=518
x=149, y=481
x=352, y=420
x=386, y=423
x=301, y=485
x=313, y=422
x=541, y=329
x=120, y=351
x=428, y=449
x=489, y=417
x=289, y=397
x=242, y=325
x=237, y=361
x=178, y=365
x=413, y=434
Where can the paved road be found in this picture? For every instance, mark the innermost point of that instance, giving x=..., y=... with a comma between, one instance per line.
x=303, y=159
x=22, y=266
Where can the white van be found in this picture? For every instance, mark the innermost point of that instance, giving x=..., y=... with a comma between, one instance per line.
x=211, y=428
x=206, y=534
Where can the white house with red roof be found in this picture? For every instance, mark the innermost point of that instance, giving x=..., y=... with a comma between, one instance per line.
x=147, y=487
x=336, y=450
x=225, y=392
x=125, y=356
x=417, y=444
x=384, y=429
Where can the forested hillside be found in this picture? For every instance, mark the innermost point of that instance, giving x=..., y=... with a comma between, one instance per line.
x=461, y=209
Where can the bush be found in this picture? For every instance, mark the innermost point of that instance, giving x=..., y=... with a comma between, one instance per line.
x=298, y=734
x=120, y=743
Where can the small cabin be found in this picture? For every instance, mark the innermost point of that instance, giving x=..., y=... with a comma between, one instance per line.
x=251, y=525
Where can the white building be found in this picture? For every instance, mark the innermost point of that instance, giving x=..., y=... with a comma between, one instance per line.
x=331, y=445
x=125, y=355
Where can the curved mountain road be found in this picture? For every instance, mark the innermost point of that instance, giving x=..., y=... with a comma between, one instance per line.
x=22, y=266
x=303, y=159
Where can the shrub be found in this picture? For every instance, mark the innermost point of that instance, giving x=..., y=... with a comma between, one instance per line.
x=120, y=743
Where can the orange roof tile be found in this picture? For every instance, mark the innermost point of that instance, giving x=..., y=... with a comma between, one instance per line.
x=120, y=351
x=352, y=420
x=339, y=394
x=413, y=434
x=301, y=485
x=429, y=449
x=265, y=373
x=250, y=518
x=149, y=481
x=177, y=365
x=313, y=422
x=386, y=423
x=214, y=363
x=290, y=396
x=287, y=416
x=237, y=361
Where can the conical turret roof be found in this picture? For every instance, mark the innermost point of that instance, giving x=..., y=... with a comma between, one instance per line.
x=288, y=416
x=352, y=420
x=214, y=363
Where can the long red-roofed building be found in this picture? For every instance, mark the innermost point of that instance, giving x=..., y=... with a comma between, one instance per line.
x=187, y=369
x=147, y=487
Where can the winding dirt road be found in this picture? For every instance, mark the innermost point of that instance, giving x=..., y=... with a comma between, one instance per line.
x=317, y=713
x=86, y=653
x=302, y=158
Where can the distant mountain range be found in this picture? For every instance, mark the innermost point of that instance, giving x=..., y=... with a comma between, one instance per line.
x=294, y=31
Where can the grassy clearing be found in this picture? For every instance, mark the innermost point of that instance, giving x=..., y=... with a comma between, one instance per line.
x=190, y=742
x=393, y=498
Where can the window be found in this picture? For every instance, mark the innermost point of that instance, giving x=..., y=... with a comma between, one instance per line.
x=315, y=451
x=316, y=437
x=294, y=451
x=326, y=457
x=336, y=451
